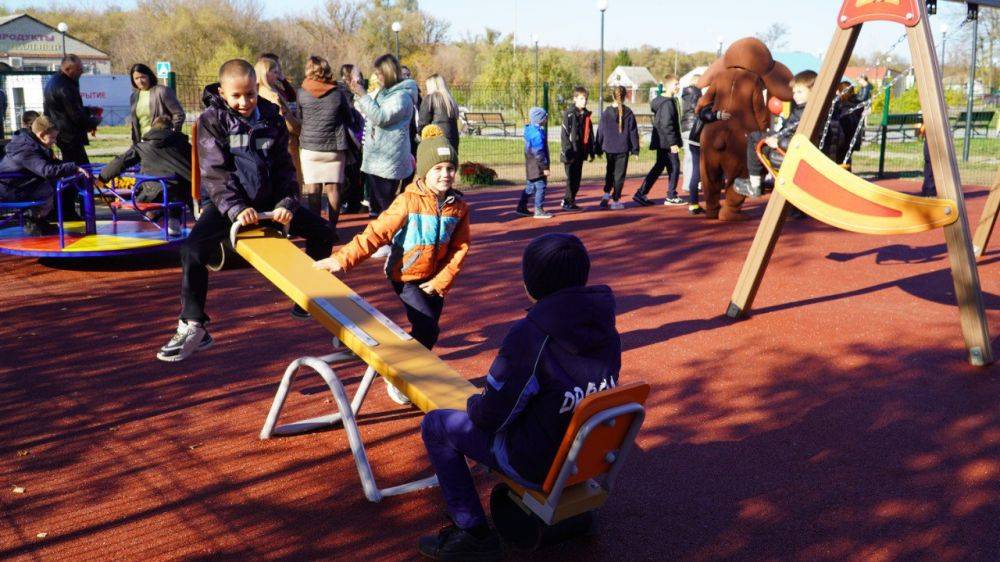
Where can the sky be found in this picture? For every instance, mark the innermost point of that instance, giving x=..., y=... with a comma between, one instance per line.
x=684, y=24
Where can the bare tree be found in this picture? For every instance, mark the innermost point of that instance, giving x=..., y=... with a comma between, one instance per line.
x=775, y=36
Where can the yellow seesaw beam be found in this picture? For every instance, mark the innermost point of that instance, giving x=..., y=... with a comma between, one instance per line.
x=420, y=374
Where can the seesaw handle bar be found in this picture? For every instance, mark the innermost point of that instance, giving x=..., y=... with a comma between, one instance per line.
x=235, y=229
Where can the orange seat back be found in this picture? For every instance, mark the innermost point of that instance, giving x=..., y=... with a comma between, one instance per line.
x=592, y=460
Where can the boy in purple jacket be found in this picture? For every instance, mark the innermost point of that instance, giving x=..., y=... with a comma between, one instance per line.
x=245, y=170
x=566, y=347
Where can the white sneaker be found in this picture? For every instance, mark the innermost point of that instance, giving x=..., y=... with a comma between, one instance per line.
x=190, y=337
x=382, y=252
x=617, y=205
x=395, y=394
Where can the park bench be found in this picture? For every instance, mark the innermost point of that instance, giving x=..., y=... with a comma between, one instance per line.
x=980, y=122
x=906, y=124
x=644, y=121
x=476, y=121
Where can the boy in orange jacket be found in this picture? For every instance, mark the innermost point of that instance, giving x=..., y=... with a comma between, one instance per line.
x=427, y=228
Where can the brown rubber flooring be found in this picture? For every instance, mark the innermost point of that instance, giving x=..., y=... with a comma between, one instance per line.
x=840, y=421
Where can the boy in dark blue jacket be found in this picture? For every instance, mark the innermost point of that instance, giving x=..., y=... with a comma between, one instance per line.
x=245, y=169
x=536, y=163
x=29, y=154
x=566, y=348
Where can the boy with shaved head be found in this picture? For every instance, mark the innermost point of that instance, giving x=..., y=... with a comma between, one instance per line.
x=245, y=169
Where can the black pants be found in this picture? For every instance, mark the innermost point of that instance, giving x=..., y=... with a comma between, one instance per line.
x=754, y=165
x=75, y=152
x=213, y=227
x=382, y=192
x=574, y=171
x=422, y=310
x=614, y=177
x=665, y=159
x=929, y=187
x=695, y=173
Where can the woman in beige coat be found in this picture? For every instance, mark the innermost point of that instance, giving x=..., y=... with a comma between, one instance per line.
x=268, y=87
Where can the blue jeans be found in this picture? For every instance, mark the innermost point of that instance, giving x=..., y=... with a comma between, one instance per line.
x=695, y=151
x=536, y=188
x=450, y=437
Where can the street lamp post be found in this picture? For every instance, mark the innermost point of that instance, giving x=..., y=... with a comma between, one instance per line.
x=944, y=42
x=720, y=39
x=63, y=28
x=534, y=39
x=602, y=5
x=396, y=27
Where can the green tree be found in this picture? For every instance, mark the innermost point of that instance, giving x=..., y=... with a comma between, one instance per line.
x=507, y=81
x=622, y=58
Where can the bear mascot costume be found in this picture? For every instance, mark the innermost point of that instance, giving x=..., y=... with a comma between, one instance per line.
x=735, y=89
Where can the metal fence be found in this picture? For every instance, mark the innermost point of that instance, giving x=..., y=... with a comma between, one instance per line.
x=493, y=119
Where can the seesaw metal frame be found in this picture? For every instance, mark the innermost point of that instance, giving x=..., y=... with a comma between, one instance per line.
x=346, y=415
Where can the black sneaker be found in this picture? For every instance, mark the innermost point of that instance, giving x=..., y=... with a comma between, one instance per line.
x=605, y=201
x=300, y=313
x=695, y=209
x=524, y=212
x=570, y=206
x=39, y=227
x=190, y=337
x=642, y=200
x=452, y=543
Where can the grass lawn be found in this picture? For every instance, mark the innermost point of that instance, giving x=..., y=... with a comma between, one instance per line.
x=506, y=156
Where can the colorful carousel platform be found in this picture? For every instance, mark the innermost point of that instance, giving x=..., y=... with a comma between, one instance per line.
x=123, y=230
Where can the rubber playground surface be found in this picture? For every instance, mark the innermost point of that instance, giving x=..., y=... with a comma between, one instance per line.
x=841, y=421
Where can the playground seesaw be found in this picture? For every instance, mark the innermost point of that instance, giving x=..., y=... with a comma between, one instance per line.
x=601, y=432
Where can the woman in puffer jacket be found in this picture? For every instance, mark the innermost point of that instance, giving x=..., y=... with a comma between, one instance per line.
x=387, y=158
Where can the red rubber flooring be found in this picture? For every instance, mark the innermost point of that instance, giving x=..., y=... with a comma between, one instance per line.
x=840, y=422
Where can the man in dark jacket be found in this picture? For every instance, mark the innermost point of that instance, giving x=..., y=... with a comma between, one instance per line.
x=689, y=117
x=666, y=141
x=245, y=170
x=565, y=349
x=577, y=145
x=29, y=154
x=64, y=107
x=162, y=152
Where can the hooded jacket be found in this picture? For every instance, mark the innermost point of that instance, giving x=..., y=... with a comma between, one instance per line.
x=610, y=139
x=429, y=238
x=577, y=136
x=244, y=162
x=161, y=152
x=536, y=148
x=689, y=100
x=326, y=117
x=388, y=116
x=666, y=123
x=64, y=107
x=565, y=349
x=27, y=155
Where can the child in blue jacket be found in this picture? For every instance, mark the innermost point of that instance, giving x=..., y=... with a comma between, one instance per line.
x=565, y=348
x=536, y=163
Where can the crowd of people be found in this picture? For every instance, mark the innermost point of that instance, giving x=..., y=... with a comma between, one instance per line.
x=339, y=141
